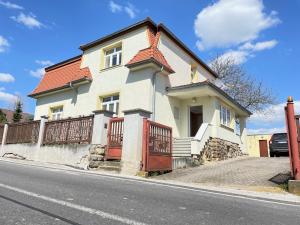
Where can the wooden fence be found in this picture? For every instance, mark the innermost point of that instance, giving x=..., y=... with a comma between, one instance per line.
x=1, y=132
x=27, y=132
x=68, y=131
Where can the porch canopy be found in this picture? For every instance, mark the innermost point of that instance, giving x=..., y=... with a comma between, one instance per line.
x=204, y=89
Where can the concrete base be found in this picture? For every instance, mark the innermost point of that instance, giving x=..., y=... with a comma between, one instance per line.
x=294, y=187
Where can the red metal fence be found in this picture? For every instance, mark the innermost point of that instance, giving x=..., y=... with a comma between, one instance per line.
x=157, y=147
x=1, y=132
x=115, y=138
x=27, y=132
x=67, y=131
x=293, y=133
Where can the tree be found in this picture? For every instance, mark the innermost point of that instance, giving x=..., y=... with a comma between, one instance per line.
x=243, y=88
x=17, y=116
x=3, y=118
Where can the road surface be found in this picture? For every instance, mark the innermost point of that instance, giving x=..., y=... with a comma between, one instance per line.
x=35, y=195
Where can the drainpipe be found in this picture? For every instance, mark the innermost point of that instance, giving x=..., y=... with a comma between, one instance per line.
x=73, y=88
x=154, y=91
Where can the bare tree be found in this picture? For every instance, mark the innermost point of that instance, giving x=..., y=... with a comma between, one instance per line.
x=243, y=88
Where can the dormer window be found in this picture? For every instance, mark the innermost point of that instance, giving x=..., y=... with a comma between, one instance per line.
x=113, y=57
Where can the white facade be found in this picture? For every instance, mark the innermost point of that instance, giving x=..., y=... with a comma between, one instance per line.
x=137, y=90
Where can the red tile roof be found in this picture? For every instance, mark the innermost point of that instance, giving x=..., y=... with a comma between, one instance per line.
x=151, y=53
x=61, y=74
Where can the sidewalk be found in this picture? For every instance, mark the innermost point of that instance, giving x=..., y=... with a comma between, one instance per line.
x=235, y=192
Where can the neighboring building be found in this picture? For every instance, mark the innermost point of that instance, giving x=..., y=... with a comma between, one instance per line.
x=143, y=66
x=9, y=116
x=258, y=145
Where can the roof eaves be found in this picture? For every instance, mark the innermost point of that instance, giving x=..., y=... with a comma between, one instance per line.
x=150, y=60
x=146, y=21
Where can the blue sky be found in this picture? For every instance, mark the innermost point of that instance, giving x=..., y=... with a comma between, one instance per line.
x=264, y=39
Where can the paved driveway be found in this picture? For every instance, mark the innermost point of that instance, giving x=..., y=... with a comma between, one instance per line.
x=243, y=171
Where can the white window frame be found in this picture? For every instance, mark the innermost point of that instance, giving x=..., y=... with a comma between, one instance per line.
x=111, y=101
x=110, y=56
x=57, y=113
x=225, y=116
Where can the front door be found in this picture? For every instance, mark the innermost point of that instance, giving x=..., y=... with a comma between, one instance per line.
x=196, y=119
x=263, y=148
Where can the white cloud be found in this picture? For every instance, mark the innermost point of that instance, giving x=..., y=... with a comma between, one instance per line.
x=259, y=46
x=29, y=21
x=7, y=97
x=114, y=7
x=267, y=130
x=44, y=62
x=129, y=9
x=228, y=23
x=39, y=72
x=273, y=114
x=4, y=44
x=237, y=56
x=6, y=77
x=10, y=5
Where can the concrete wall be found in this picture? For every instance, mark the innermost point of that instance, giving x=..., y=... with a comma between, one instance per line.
x=253, y=143
x=74, y=155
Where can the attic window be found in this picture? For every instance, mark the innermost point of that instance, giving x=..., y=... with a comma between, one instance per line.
x=113, y=57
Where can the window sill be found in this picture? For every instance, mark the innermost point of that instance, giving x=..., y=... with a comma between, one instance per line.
x=110, y=68
x=227, y=128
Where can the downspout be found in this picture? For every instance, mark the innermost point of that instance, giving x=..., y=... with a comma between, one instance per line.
x=154, y=91
x=73, y=88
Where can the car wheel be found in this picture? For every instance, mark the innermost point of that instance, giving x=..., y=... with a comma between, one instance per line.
x=271, y=154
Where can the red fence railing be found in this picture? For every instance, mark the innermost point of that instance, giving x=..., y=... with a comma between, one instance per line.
x=68, y=131
x=157, y=147
x=115, y=138
x=26, y=132
x=1, y=132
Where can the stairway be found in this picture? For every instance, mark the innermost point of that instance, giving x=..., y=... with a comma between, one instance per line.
x=182, y=147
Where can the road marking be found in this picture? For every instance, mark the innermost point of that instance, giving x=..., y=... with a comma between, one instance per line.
x=100, y=213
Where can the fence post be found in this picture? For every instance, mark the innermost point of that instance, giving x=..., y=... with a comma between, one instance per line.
x=133, y=140
x=44, y=119
x=292, y=132
x=101, y=120
x=4, y=135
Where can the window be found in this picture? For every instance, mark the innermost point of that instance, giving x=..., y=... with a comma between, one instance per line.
x=111, y=103
x=225, y=116
x=56, y=113
x=193, y=74
x=237, y=126
x=113, y=57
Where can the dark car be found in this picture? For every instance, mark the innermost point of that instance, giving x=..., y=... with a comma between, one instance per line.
x=278, y=145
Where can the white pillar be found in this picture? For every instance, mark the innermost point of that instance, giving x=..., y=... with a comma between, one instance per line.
x=4, y=135
x=243, y=134
x=101, y=121
x=44, y=119
x=133, y=140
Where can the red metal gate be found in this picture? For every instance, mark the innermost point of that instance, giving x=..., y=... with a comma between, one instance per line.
x=115, y=138
x=293, y=133
x=157, y=147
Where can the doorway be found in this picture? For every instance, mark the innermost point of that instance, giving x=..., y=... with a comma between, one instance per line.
x=196, y=119
x=263, y=148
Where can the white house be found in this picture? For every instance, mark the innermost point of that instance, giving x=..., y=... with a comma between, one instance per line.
x=144, y=66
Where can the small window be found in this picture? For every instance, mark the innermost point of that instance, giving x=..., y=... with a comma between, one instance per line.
x=225, y=116
x=113, y=57
x=111, y=103
x=56, y=113
x=193, y=74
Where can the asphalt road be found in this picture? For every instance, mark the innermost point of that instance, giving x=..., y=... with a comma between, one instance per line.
x=34, y=195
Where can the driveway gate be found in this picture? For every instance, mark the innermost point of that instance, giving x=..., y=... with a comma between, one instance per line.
x=157, y=147
x=115, y=138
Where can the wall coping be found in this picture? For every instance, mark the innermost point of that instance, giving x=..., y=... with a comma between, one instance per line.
x=137, y=111
x=105, y=112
